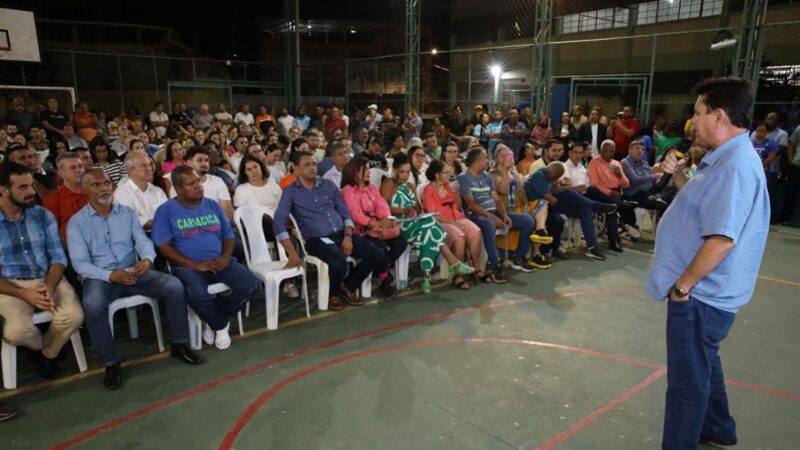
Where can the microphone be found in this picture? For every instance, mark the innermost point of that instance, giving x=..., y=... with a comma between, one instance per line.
x=680, y=152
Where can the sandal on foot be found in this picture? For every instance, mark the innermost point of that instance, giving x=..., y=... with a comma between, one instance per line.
x=460, y=283
x=460, y=268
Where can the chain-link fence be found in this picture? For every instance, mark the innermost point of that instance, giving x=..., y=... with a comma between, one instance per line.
x=648, y=55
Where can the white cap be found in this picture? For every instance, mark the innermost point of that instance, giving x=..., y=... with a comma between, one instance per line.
x=373, y=106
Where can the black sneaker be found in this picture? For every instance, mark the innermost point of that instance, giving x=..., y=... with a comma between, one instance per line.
x=615, y=246
x=608, y=208
x=596, y=253
x=540, y=262
x=540, y=236
x=184, y=353
x=722, y=442
x=497, y=275
x=387, y=288
x=48, y=368
x=521, y=265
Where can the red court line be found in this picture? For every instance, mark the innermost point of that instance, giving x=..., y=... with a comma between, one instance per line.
x=97, y=431
x=266, y=396
x=599, y=412
x=763, y=389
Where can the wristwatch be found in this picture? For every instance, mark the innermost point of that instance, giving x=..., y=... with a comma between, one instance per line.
x=678, y=292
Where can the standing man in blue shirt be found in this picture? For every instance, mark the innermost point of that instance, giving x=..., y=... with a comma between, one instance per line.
x=327, y=228
x=103, y=240
x=708, y=251
x=32, y=263
x=194, y=234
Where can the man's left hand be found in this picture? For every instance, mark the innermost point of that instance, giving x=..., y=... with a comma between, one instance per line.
x=220, y=263
x=142, y=267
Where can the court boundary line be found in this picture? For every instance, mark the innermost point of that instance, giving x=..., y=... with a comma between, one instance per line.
x=256, y=405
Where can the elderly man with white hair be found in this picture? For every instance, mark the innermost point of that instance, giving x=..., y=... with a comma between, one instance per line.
x=138, y=192
x=203, y=119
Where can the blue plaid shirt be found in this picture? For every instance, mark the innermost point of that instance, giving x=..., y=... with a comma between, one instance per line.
x=29, y=247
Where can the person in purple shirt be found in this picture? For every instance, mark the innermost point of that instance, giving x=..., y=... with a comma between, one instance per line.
x=766, y=148
x=327, y=229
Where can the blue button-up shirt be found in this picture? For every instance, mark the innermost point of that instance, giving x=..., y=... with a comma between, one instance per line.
x=728, y=197
x=100, y=245
x=515, y=142
x=29, y=246
x=639, y=173
x=319, y=212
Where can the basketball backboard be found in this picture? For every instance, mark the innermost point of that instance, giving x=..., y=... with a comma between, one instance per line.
x=18, y=39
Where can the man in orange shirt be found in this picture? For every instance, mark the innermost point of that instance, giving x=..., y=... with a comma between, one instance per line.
x=607, y=182
x=68, y=198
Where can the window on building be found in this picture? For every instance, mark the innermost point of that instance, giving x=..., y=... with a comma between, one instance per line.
x=589, y=21
x=669, y=10
x=712, y=8
x=593, y=20
x=570, y=23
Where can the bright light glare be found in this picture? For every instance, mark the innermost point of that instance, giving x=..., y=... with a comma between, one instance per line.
x=496, y=70
x=434, y=51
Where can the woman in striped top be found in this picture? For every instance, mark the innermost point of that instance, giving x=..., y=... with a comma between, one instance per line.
x=106, y=159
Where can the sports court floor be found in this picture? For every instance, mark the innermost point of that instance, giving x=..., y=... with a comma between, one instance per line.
x=567, y=358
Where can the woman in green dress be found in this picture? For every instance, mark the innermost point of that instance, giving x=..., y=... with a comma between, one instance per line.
x=424, y=234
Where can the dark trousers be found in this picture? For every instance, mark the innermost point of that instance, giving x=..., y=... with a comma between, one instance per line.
x=370, y=254
x=791, y=210
x=393, y=247
x=573, y=204
x=612, y=224
x=696, y=400
x=555, y=226
x=98, y=295
x=212, y=311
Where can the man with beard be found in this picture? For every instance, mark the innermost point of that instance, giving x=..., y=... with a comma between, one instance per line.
x=44, y=180
x=32, y=263
x=104, y=239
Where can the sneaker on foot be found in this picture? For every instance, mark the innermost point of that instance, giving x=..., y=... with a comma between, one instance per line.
x=223, y=339
x=596, y=253
x=615, y=246
x=291, y=290
x=497, y=275
x=208, y=334
x=540, y=262
x=540, y=236
x=521, y=265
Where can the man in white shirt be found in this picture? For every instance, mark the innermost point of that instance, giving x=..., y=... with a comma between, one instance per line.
x=138, y=192
x=576, y=171
x=213, y=186
x=159, y=120
x=240, y=144
x=285, y=121
x=593, y=132
x=72, y=140
x=222, y=116
x=244, y=117
x=340, y=157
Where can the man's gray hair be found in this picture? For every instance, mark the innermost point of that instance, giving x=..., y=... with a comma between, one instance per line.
x=130, y=160
x=65, y=155
x=89, y=173
x=608, y=142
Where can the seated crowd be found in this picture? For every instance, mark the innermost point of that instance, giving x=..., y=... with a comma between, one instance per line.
x=94, y=211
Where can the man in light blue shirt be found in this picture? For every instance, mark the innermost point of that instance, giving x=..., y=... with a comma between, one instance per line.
x=708, y=251
x=103, y=239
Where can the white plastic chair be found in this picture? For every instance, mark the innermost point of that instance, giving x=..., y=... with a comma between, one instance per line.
x=401, y=269
x=323, y=281
x=376, y=176
x=196, y=323
x=128, y=303
x=8, y=353
x=249, y=219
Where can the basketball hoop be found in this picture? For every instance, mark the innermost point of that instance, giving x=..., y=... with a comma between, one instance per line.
x=5, y=42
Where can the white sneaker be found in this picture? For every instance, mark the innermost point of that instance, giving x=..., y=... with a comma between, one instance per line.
x=223, y=339
x=208, y=335
x=291, y=290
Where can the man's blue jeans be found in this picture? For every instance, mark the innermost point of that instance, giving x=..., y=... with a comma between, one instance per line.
x=522, y=222
x=573, y=204
x=696, y=399
x=98, y=295
x=215, y=313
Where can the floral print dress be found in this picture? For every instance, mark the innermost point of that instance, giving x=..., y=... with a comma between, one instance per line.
x=426, y=235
